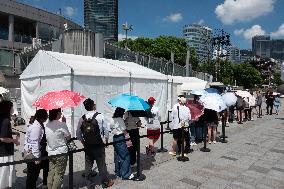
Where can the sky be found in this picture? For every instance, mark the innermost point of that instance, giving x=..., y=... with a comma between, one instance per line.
x=242, y=19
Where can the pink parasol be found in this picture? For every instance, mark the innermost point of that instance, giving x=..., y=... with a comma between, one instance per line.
x=196, y=109
x=58, y=99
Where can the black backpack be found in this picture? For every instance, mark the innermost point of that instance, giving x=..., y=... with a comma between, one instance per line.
x=91, y=131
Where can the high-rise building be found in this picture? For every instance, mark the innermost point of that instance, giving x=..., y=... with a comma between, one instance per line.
x=261, y=46
x=265, y=47
x=199, y=37
x=277, y=49
x=23, y=26
x=245, y=55
x=233, y=54
x=101, y=16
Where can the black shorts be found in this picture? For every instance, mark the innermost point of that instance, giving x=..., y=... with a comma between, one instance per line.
x=177, y=133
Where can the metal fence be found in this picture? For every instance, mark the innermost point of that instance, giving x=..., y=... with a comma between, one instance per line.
x=162, y=65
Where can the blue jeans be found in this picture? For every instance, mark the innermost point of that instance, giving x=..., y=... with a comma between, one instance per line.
x=192, y=129
x=121, y=157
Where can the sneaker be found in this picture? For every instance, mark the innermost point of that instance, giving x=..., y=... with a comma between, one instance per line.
x=153, y=153
x=214, y=142
x=172, y=153
x=131, y=177
x=147, y=150
x=193, y=144
x=209, y=142
x=108, y=184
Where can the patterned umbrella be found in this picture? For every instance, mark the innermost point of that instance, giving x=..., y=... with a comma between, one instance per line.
x=58, y=99
x=196, y=109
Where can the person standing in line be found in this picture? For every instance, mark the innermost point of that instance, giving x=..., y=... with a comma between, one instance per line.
x=277, y=104
x=57, y=135
x=180, y=118
x=132, y=126
x=153, y=126
x=121, y=153
x=35, y=144
x=269, y=100
x=211, y=119
x=259, y=103
x=93, y=133
x=240, y=105
x=7, y=173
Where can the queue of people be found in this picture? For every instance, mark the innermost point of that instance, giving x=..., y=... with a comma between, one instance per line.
x=93, y=132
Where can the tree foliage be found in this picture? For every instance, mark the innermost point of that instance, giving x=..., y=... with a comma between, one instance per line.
x=160, y=47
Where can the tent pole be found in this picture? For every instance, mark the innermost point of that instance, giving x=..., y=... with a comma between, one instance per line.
x=72, y=109
x=130, y=83
x=172, y=93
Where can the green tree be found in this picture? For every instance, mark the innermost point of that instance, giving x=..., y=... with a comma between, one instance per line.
x=246, y=75
x=160, y=47
x=277, y=79
x=227, y=73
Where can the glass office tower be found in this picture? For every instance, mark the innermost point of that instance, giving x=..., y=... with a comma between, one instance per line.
x=101, y=16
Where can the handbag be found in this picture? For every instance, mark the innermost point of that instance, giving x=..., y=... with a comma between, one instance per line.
x=27, y=155
x=71, y=145
x=128, y=142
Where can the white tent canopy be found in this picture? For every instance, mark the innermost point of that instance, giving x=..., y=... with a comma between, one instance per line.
x=96, y=78
x=189, y=83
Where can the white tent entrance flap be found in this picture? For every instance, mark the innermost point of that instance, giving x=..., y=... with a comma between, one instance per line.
x=96, y=78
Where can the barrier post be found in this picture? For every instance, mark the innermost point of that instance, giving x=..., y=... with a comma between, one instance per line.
x=168, y=121
x=162, y=149
x=70, y=170
x=139, y=176
x=223, y=128
x=182, y=157
x=204, y=148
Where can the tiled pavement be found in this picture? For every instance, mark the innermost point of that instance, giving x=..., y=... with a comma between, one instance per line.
x=252, y=159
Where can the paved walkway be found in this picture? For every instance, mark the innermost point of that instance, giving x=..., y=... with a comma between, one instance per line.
x=253, y=159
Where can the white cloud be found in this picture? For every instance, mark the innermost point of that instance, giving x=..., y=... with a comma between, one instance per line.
x=201, y=22
x=122, y=37
x=239, y=32
x=70, y=11
x=279, y=32
x=249, y=33
x=176, y=17
x=243, y=10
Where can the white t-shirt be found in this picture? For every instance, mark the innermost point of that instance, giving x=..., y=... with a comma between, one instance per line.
x=180, y=115
x=117, y=126
x=56, y=132
x=154, y=123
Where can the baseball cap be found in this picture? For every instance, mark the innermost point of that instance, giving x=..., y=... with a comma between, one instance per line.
x=151, y=100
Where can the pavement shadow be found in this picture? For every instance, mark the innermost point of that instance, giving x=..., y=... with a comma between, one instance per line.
x=279, y=118
x=79, y=181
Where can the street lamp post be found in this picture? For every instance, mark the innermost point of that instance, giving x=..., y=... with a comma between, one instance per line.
x=126, y=27
x=220, y=40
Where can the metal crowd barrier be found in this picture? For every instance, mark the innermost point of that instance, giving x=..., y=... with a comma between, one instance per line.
x=139, y=176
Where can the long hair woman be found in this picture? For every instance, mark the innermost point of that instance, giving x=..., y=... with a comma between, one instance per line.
x=7, y=173
x=121, y=154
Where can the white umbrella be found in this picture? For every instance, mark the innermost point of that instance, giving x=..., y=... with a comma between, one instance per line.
x=213, y=101
x=3, y=90
x=244, y=94
x=229, y=98
x=199, y=92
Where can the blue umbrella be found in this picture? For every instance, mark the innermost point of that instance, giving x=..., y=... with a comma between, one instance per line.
x=199, y=92
x=212, y=90
x=129, y=102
